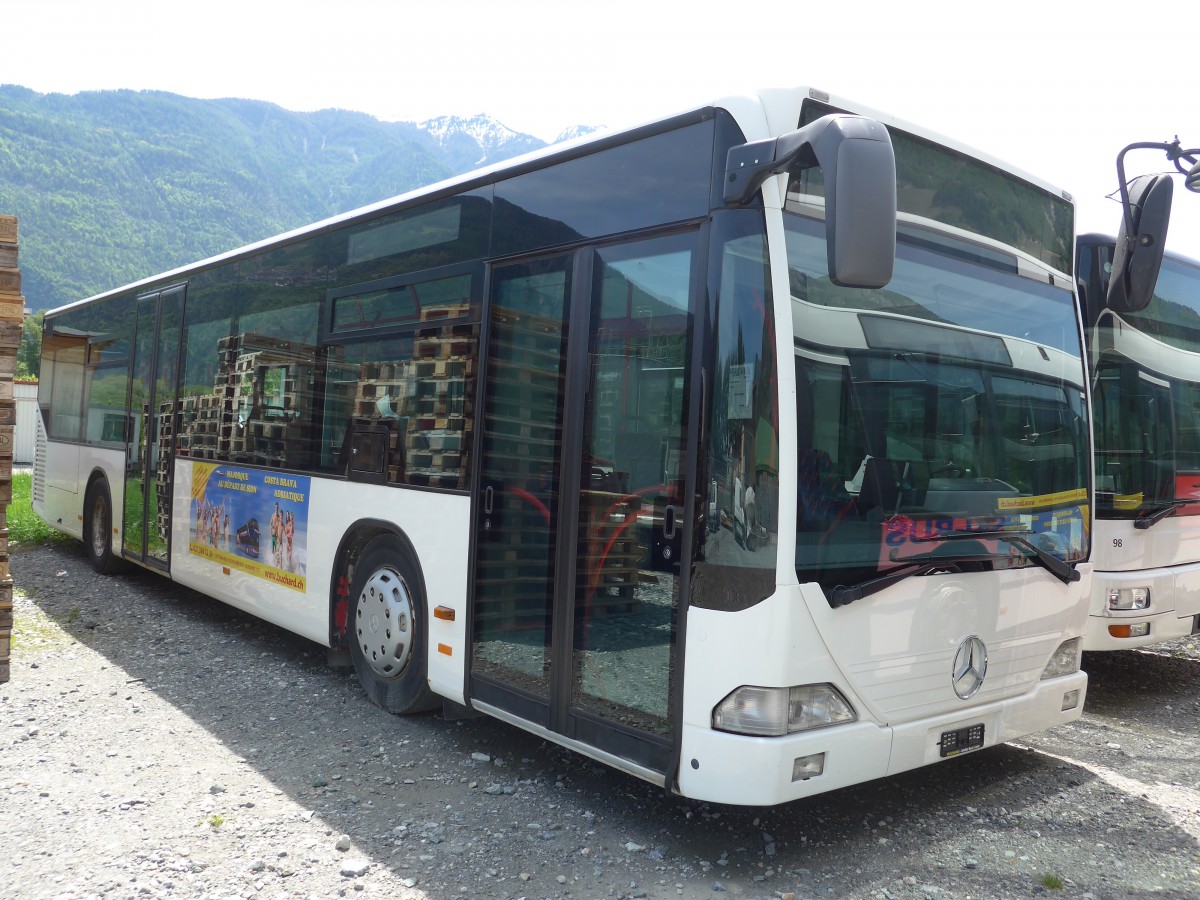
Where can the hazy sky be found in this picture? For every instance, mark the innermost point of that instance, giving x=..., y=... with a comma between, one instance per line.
x=1054, y=87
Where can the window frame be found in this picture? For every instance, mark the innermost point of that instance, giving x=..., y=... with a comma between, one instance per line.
x=330, y=335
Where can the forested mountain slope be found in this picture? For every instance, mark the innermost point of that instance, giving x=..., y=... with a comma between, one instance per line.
x=113, y=186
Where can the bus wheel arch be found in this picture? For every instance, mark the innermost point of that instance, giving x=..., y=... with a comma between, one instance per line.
x=379, y=613
x=98, y=526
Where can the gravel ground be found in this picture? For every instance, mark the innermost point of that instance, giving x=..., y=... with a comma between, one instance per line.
x=155, y=743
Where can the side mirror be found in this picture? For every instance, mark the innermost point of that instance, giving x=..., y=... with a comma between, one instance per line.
x=1140, y=244
x=855, y=154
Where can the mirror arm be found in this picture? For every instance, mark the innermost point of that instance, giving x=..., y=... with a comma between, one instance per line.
x=1191, y=177
x=1130, y=234
x=1175, y=153
x=747, y=166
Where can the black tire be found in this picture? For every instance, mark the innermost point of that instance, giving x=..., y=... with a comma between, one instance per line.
x=98, y=530
x=386, y=628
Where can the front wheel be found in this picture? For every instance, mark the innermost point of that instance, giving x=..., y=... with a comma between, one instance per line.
x=386, y=628
x=98, y=531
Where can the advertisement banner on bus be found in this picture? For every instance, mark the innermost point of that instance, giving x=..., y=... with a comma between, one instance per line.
x=252, y=521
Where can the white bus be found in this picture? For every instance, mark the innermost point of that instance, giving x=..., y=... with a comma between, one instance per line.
x=678, y=446
x=1145, y=370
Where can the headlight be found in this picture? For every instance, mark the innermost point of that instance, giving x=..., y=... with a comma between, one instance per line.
x=1129, y=598
x=1065, y=660
x=762, y=711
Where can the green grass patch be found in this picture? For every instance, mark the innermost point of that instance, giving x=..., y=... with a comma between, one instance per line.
x=25, y=529
x=1052, y=882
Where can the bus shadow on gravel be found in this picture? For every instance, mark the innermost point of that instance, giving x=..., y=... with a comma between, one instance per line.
x=270, y=697
x=1140, y=683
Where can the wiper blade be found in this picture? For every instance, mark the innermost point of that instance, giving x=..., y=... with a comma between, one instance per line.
x=844, y=596
x=1063, y=571
x=968, y=535
x=907, y=567
x=925, y=563
x=1168, y=506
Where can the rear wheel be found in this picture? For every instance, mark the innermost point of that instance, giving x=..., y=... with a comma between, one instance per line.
x=97, y=530
x=386, y=628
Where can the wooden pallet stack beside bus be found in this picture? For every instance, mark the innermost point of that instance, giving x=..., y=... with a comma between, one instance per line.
x=12, y=313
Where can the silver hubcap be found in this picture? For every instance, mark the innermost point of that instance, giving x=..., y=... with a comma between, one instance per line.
x=383, y=622
x=99, y=538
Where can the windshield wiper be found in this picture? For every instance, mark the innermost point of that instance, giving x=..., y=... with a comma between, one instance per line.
x=907, y=567
x=1168, y=506
x=924, y=564
x=1063, y=571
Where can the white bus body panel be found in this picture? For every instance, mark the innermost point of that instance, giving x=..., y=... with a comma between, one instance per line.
x=1128, y=557
x=1165, y=557
x=63, y=506
x=436, y=524
x=891, y=655
x=65, y=478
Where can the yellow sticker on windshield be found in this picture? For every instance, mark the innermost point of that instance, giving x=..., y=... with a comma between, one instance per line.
x=1042, y=500
x=1128, y=501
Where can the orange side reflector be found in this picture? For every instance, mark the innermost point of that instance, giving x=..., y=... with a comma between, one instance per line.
x=445, y=649
x=1120, y=631
x=445, y=613
x=224, y=570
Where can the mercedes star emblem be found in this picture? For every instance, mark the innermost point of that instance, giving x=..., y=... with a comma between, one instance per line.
x=970, y=667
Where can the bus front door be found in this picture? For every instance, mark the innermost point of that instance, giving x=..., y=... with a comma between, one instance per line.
x=146, y=528
x=582, y=503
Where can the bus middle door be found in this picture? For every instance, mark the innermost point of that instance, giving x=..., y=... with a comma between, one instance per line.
x=146, y=529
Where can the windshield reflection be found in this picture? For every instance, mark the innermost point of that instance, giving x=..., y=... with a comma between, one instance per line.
x=946, y=406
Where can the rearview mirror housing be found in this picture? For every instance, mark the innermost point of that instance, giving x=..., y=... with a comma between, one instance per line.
x=856, y=157
x=1138, y=255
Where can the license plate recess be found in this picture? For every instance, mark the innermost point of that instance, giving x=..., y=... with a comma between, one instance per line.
x=961, y=740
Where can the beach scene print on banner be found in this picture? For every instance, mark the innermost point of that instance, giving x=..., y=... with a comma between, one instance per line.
x=252, y=521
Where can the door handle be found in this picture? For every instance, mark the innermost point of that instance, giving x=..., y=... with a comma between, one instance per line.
x=487, y=500
x=669, y=523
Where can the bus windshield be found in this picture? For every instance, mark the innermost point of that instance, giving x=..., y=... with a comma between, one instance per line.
x=1145, y=397
x=941, y=418
x=1173, y=314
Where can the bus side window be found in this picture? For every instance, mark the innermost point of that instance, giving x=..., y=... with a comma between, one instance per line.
x=415, y=387
x=275, y=360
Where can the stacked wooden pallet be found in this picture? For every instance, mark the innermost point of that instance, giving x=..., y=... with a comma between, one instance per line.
x=430, y=394
x=12, y=311
x=237, y=421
